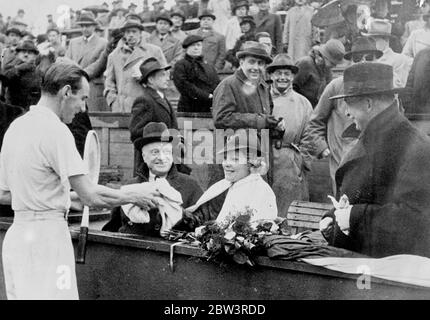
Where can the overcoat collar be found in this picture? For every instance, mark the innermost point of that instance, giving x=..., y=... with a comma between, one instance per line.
x=163, y=102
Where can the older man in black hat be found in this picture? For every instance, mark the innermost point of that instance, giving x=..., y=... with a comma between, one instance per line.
x=157, y=147
x=329, y=120
x=85, y=51
x=214, y=50
x=122, y=72
x=289, y=166
x=384, y=175
x=195, y=78
x=163, y=38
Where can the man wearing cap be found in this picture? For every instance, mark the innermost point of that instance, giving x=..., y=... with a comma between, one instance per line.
x=21, y=78
x=14, y=36
x=289, y=167
x=122, y=72
x=213, y=42
x=269, y=22
x=419, y=39
x=54, y=42
x=315, y=69
x=163, y=38
x=383, y=175
x=178, y=19
x=299, y=35
x=240, y=10
x=194, y=78
x=265, y=39
x=85, y=51
x=247, y=26
x=157, y=146
x=325, y=131
x=380, y=30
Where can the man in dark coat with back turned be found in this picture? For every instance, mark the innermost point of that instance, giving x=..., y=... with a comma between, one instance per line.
x=195, y=78
x=385, y=175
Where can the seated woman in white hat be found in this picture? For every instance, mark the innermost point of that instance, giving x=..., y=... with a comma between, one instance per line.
x=242, y=190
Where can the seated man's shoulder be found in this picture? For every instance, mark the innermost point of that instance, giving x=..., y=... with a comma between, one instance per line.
x=186, y=180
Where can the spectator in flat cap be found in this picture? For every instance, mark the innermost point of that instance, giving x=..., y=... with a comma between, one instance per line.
x=315, y=69
x=85, y=51
x=123, y=73
x=178, y=19
x=194, y=78
x=213, y=42
x=247, y=27
x=163, y=38
x=240, y=10
x=54, y=40
x=265, y=39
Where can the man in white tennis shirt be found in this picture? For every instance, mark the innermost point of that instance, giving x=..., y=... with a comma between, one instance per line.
x=39, y=164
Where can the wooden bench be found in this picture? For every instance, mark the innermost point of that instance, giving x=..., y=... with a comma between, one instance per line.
x=303, y=215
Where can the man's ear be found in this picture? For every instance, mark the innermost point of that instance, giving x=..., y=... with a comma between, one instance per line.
x=66, y=91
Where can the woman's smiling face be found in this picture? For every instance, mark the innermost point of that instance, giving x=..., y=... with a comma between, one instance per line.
x=235, y=165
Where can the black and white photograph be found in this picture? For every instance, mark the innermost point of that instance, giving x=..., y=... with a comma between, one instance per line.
x=214, y=155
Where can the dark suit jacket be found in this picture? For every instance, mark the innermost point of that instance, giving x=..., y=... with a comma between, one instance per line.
x=387, y=180
x=187, y=187
x=272, y=24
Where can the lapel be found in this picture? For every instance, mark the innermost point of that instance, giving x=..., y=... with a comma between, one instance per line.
x=163, y=102
x=137, y=54
x=87, y=50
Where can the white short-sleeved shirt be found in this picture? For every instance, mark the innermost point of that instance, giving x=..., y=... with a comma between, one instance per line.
x=37, y=158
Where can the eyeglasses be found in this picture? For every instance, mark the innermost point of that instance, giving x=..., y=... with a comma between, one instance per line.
x=362, y=57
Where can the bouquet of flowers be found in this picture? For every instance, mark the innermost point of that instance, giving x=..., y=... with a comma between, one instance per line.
x=238, y=237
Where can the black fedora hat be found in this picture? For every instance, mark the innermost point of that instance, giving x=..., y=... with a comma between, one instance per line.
x=282, y=61
x=86, y=19
x=254, y=49
x=363, y=45
x=363, y=79
x=27, y=45
x=153, y=132
x=164, y=17
x=207, y=13
x=132, y=21
x=150, y=66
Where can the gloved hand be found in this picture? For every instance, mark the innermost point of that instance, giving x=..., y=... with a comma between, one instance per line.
x=190, y=220
x=271, y=122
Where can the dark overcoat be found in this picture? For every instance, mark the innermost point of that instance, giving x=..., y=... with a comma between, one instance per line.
x=184, y=184
x=272, y=24
x=195, y=80
x=238, y=105
x=387, y=179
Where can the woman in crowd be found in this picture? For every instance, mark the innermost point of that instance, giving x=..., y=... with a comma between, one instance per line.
x=234, y=32
x=242, y=191
x=247, y=26
x=194, y=78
